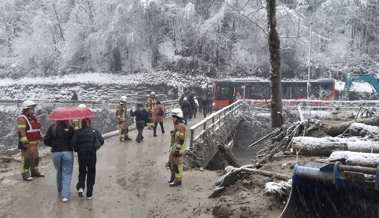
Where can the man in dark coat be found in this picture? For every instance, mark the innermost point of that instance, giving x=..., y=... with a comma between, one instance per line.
x=181, y=100
x=142, y=118
x=192, y=111
x=186, y=108
x=74, y=97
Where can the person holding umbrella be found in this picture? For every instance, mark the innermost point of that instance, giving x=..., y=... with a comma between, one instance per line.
x=58, y=137
x=86, y=141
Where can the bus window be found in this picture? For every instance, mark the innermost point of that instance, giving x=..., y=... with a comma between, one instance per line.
x=224, y=93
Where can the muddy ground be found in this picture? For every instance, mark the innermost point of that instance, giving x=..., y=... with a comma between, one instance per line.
x=131, y=181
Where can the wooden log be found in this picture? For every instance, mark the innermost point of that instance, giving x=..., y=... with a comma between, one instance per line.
x=228, y=155
x=309, y=146
x=355, y=158
x=233, y=176
x=338, y=129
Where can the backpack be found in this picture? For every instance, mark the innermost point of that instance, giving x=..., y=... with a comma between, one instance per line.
x=160, y=112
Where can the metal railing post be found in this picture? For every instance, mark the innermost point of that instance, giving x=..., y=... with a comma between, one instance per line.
x=191, y=142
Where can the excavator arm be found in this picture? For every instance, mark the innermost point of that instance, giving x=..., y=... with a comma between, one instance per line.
x=362, y=78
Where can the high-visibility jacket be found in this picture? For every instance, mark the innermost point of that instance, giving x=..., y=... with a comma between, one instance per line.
x=151, y=102
x=179, y=134
x=32, y=129
x=77, y=123
x=121, y=112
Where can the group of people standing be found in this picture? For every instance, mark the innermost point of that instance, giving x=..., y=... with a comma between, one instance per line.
x=151, y=117
x=191, y=105
x=63, y=139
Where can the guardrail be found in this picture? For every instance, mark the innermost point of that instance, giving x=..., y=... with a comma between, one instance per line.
x=112, y=104
x=216, y=118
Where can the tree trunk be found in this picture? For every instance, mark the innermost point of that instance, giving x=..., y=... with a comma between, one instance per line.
x=228, y=155
x=355, y=158
x=274, y=47
x=309, y=146
x=338, y=129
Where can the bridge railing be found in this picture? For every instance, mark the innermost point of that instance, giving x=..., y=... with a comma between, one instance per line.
x=213, y=120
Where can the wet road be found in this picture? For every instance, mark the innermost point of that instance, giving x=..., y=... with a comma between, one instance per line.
x=131, y=181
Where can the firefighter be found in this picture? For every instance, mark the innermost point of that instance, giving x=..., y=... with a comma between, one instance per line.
x=151, y=102
x=29, y=133
x=78, y=122
x=178, y=146
x=122, y=120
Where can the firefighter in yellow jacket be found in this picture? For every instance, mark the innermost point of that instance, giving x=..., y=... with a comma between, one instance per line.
x=29, y=133
x=178, y=147
x=78, y=122
x=151, y=102
x=122, y=120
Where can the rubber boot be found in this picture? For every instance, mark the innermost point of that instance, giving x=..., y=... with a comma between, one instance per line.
x=172, y=179
x=26, y=176
x=36, y=173
x=173, y=184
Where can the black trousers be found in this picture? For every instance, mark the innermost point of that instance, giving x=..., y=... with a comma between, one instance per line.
x=155, y=127
x=87, y=166
x=185, y=117
x=140, y=126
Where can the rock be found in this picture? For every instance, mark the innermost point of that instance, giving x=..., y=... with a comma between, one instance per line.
x=222, y=211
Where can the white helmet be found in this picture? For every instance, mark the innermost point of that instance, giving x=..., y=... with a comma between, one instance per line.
x=152, y=93
x=123, y=99
x=82, y=106
x=28, y=104
x=177, y=113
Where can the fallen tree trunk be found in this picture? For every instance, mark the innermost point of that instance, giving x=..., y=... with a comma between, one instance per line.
x=355, y=158
x=228, y=155
x=232, y=177
x=338, y=129
x=309, y=146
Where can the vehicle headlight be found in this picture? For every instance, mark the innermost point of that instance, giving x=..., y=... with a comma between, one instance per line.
x=213, y=104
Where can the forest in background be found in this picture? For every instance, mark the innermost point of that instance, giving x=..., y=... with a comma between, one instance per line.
x=212, y=38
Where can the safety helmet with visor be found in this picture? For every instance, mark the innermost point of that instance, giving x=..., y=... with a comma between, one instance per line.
x=82, y=106
x=177, y=113
x=152, y=93
x=123, y=99
x=28, y=104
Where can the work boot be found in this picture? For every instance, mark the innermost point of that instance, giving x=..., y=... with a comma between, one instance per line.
x=127, y=138
x=173, y=184
x=155, y=135
x=171, y=180
x=122, y=140
x=38, y=175
x=27, y=177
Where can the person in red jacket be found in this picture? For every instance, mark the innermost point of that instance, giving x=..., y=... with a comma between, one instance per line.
x=29, y=133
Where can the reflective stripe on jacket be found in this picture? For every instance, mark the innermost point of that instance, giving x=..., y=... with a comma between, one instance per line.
x=33, y=129
x=121, y=112
x=151, y=104
x=179, y=134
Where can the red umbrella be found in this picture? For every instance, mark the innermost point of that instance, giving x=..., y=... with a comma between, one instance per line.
x=71, y=112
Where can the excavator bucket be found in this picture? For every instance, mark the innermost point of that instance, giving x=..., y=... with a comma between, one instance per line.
x=333, y=190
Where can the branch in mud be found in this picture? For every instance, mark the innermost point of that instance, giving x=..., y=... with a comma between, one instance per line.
x=233, y=176
x=282, y=138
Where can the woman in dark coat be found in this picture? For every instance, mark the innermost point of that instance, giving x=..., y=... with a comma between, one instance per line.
x=86, y=141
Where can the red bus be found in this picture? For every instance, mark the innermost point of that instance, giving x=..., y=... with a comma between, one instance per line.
x=223, y=90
